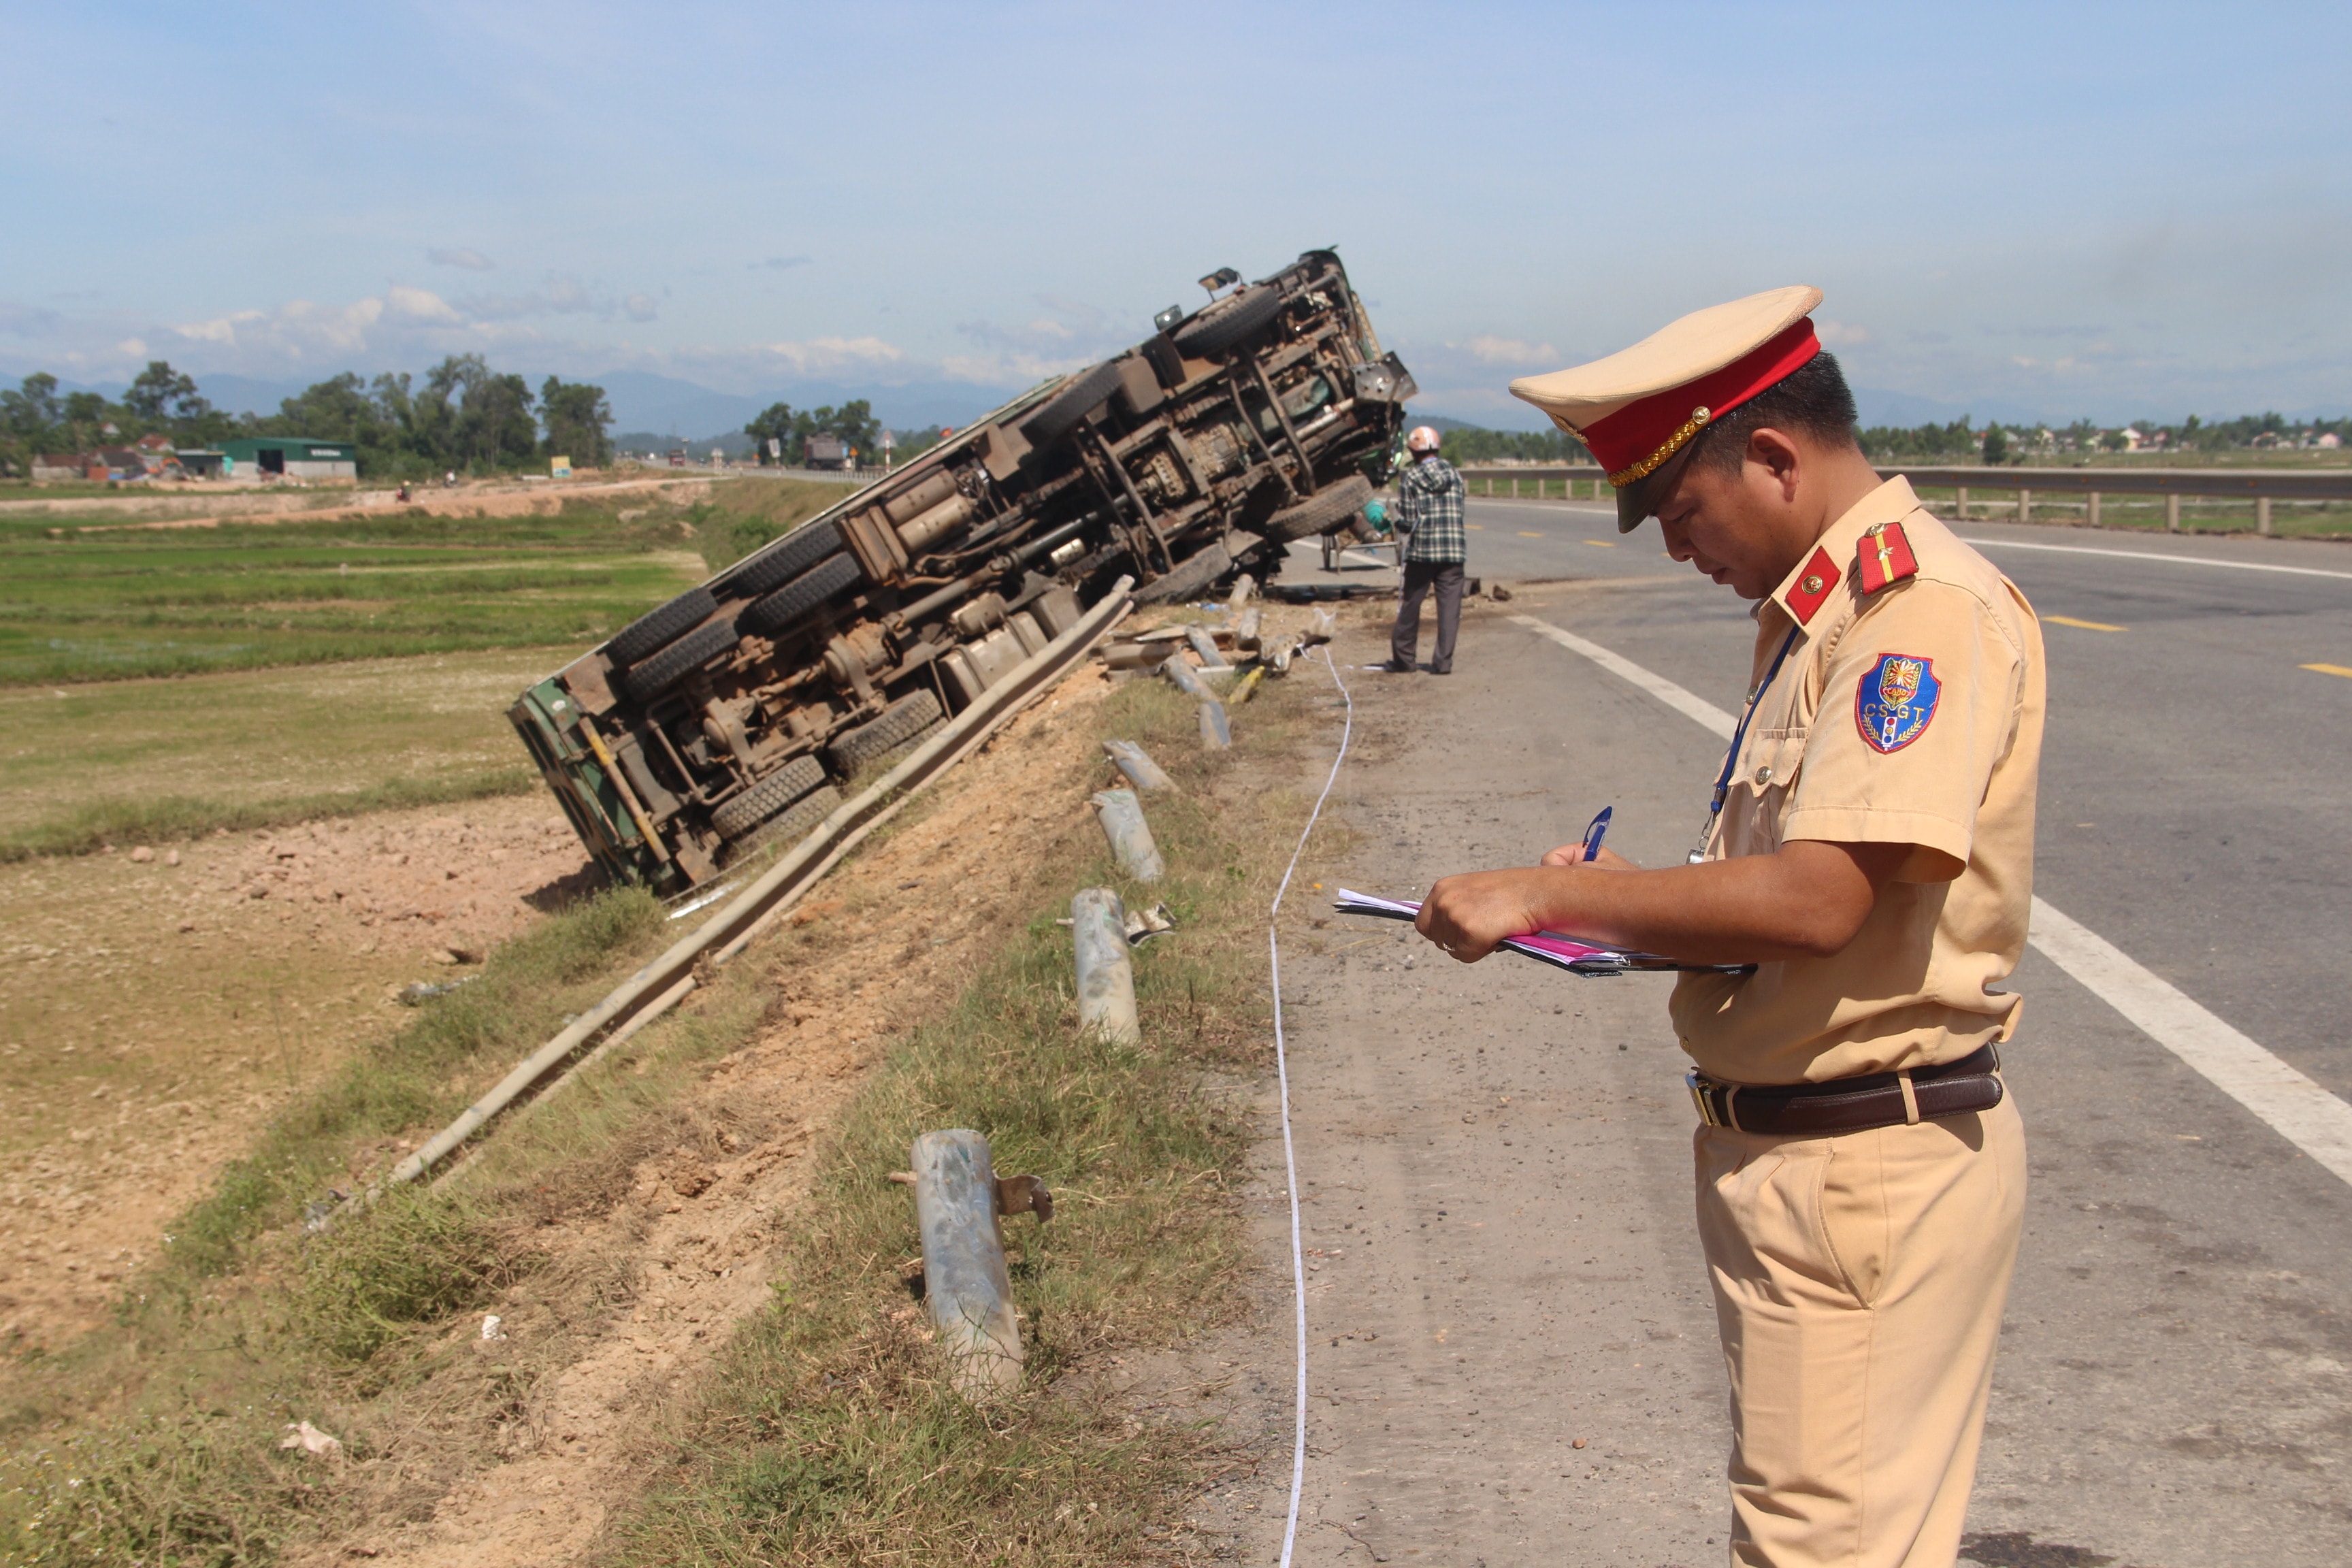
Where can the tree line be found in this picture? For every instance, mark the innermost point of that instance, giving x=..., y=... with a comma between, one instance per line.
x=789, y=428
x=461, y=416
x=1965, y=441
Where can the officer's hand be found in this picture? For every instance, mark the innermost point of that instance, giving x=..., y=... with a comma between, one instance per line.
x=1573, y=854
x=1470, y=914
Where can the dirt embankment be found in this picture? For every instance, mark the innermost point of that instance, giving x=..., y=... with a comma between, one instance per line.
x=464, y=500
x=160, y=1002
x=885, y=942
x=203, y=506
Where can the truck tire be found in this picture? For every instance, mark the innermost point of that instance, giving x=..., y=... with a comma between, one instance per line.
x=1065, y=410
x=799, y=596
x=739, y=815
x=646, y=681
x=1326, y=509
x=779, y=563
x=900, y=723
x=651, y=630
x=1209, y=335
x=790, y=827
x=1192, y=574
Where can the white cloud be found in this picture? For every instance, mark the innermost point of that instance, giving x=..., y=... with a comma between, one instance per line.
x=1841, y=334
x=135, y=347
x=408, y=304
x=1490, y=350
x=780, y=263
x=459, y=256
x=640, y=308
x=821, y=354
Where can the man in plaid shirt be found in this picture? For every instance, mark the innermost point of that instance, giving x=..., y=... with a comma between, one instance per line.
x=1430, y=497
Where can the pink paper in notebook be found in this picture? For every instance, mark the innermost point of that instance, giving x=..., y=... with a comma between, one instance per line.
x=1566, y=949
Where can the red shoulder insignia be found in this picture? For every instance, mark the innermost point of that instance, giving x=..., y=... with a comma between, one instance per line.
x=1884, y=557
x=1812, y=590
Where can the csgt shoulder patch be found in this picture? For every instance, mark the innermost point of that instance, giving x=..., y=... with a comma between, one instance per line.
x=1896, y=700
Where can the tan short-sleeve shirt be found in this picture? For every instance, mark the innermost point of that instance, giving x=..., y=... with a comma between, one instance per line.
x=1907, y=715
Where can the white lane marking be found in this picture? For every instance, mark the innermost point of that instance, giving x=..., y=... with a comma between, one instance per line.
x=2154, y=555
x=2314, y=1119
x=2305, y=1113
x=1682, y=701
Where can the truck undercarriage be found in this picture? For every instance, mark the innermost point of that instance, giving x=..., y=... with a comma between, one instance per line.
x=729, y=717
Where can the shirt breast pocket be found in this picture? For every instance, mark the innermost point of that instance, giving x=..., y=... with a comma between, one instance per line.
x=1774, y=759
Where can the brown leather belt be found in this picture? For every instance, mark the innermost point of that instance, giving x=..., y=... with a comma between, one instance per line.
x=1853, y=1104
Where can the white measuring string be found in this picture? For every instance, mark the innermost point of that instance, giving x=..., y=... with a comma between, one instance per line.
x=1282, y=1076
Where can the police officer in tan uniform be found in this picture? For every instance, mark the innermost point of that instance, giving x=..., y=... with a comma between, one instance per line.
x=1869, y=850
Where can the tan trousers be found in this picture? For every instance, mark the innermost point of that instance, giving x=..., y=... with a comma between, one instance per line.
x=1859, y=1280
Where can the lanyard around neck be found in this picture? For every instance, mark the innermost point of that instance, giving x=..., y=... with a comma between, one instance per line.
x=1739, y=736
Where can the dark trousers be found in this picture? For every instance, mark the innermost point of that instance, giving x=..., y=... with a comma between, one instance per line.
x=1420, y=576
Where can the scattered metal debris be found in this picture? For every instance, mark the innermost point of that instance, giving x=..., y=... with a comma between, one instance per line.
x=424, y=991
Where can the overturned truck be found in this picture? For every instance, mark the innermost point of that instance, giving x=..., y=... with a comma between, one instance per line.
x=731, y=716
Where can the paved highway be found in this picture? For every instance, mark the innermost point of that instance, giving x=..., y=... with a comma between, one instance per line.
x=1493, y=1157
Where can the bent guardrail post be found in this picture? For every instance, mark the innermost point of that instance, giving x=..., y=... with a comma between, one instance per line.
x=1216, y=733
x=1187, y=680
x=1121, y=816
x=1106, y=968
x=965, y=1283
x=1141, y=772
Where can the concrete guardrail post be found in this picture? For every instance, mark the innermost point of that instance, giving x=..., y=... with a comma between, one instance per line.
x=2261, y=514
x=965, y=1283
x=1141, y=772
x=1186, y=679
x=1106, y=966
x=1960, y=507
x=1121, y=816
x=1206, y=645
x=1217, y=731
x=2026, y=506
x=2091, y=515
x=2172, y=514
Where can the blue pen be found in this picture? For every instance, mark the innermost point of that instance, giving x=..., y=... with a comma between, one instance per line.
x=1595, y=831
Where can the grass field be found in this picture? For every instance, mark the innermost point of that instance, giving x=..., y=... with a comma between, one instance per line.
x=89, y=599
x=134, y=761
x=827, y=1430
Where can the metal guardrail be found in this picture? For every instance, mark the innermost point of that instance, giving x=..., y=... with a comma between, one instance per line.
x=2259, y=485
x=666, y=981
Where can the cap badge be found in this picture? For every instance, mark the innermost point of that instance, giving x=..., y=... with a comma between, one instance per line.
x=1897, y=699
x=1812, y=583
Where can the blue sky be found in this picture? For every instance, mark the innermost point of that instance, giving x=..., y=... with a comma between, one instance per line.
x=2115, y=211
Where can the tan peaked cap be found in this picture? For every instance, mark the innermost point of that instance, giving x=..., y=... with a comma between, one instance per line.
x=1638, y=407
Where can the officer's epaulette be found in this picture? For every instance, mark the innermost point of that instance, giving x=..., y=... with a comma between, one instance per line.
x=1884, y=557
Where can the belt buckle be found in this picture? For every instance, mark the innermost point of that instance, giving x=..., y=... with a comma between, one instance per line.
x=1695, y=1081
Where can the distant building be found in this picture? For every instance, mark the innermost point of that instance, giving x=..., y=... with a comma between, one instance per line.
x=202, y=463
x=2132, y=438
x=2328, y=440
x=293, y=457
x=64, y=466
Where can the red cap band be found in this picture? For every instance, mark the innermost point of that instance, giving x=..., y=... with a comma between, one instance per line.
x=1632, y=443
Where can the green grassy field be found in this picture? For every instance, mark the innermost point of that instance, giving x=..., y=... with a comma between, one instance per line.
x=81, y=599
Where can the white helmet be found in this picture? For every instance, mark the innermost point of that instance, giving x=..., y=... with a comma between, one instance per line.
x=1424, y=438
